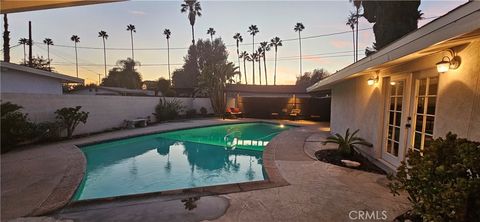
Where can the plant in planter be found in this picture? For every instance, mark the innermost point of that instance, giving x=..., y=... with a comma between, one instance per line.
x=347, y=143
x=70, y=117
x=443, y=181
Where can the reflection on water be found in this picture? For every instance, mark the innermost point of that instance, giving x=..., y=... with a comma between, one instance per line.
x=158, y=164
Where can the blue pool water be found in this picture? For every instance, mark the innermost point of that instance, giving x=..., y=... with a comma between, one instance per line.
x=179, y=159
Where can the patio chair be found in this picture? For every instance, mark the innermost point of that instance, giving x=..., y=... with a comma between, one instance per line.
x=295, y=114
x=233, y=113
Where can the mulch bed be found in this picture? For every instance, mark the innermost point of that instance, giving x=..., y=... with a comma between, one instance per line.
x=334, y=157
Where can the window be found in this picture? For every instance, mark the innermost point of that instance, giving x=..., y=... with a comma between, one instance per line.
x=425, y=104
x=394, y=117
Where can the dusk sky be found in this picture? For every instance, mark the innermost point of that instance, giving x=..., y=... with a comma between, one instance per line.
x=273, y=18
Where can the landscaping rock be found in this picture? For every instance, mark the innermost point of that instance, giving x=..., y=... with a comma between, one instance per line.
x=350, y=163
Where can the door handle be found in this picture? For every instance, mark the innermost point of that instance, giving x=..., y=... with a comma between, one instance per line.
x=408, y=124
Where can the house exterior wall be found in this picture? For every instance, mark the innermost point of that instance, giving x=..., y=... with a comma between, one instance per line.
x=15, y=81
x=356, y=105
x=106, y=112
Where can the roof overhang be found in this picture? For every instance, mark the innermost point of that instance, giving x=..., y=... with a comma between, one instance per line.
x=63, y=78
x=457, y=27
x=12, y=6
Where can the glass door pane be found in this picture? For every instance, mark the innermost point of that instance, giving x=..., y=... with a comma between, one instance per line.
x=395, y=108
x=424, y=116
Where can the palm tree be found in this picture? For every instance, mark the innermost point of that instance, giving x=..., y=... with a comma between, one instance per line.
x=24, y=41
x=259, y=60
x=351, y=20
x=357, y=4
x=246, y=57
x=194, y=9
x=104, y=36
x=167, y=34
x=48, y=42
x=253, y=30
x=299, y=28
x=132, y=29
x=253, y=58
x=211, y=32
x=76, y=40
x=265, y=48
x=238, y=38
x=275, y=42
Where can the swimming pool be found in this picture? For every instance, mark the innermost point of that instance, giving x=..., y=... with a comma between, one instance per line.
x=180, y=159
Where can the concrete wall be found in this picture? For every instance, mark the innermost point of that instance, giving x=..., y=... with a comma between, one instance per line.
x=14, y=81
x=356, y=105
x=106, y=112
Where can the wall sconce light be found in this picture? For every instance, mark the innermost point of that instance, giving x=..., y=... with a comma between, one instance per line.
x=448, y=63
x=392, y=83
x=372, y=80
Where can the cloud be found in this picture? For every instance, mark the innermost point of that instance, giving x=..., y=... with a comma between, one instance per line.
x=134, y=12
x=337, y=43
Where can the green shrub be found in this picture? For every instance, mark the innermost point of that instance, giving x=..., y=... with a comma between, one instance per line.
x=49, y=131
x=167, y=109
x=70, y=117
x=16, y=127
x=203, y=111
x=443, y=182
x=191, y=113
x=347, y=143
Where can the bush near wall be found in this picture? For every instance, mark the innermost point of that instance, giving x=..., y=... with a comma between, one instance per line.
x=443, y=182
x=168, y=109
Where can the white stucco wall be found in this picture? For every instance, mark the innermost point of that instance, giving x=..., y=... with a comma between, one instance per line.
x=106, y=112
x=356, y=105
x=14, y=81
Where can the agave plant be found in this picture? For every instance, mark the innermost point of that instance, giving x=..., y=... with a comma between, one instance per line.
x=347, y=143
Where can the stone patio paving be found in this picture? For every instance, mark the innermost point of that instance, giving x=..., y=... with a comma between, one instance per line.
x=317, y=192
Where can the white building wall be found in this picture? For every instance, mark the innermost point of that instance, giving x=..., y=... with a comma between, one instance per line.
x=14, y=81
x=106, y=112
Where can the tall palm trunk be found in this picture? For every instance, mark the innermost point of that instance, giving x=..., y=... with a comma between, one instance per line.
x=48, y=57
x=260, y=70
x=300, y=42
x=265, y=65
x=275, y=74
x=356, y=43
x=253, y=60
x=193, y=36
x=76, y=58
x=354, y=51
x=239, y=65
x=168, y=62
x=245, y=71
x=131, y=39
x=104, y=57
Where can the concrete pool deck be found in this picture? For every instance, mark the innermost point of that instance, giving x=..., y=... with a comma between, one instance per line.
x=39, y=179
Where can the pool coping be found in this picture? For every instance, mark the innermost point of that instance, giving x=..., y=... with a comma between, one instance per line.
x=274, y=178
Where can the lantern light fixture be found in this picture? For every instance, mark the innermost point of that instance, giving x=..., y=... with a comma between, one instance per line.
x=448, y=63
x=372, y=81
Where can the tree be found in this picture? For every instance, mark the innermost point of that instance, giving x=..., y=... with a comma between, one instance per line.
x=238, y=38
x=275, y=42
x=48, y=42
x=167, y=34
x=259, y=60
x=393, y=19
x=193, y=8
x=23, y=41
x=132, y=29
x=246, y=57
x=39, y=63
x=253, y=59
x=6, y=39
x=265, y=48
x=351, y=21
x=125, y=75
x=253, y=30
x=162, y=85
x=299, y=28
x=358, y=5
x=70, y=117
x=76, y=40
x=102, y=34
x=211, y=32
x=213, y=80
x=310, y=78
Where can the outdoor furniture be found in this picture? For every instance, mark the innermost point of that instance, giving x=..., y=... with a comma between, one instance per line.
x=138, y=122
x=294, y=114
x=275, y=115
x=233, y=113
